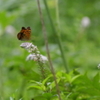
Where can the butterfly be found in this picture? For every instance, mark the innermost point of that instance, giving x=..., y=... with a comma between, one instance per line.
x=24, y=34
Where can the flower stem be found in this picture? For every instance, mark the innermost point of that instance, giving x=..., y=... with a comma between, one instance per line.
x=47, y=49
x=42, y=69
x=56, y=33
x=41, y=66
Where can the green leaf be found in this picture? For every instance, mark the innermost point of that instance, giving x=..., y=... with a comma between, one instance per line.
x=45, y=80
x=96, y=81
x=52, y=85
x=35, y=86
x=39, y=98
x=47, y=95
x=75, y=77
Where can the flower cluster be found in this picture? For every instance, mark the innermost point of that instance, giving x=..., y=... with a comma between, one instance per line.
x=34, y=52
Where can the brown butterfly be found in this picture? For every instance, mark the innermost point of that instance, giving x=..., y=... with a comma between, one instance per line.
x=24, y=34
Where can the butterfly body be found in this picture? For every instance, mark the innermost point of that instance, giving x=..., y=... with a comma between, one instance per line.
x=24, y=34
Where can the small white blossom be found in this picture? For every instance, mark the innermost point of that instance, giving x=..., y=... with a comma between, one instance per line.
x=24, y=45
x=43, y=59
x=32, y=57
x=37, y=57
x=29, y=46
x=98, y=66
x=85, y=21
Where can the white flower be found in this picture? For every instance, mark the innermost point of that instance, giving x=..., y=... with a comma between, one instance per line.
x=24, y=45
x=35, y=53
x=43, y=59
x=29, y=46
x=98, y=66
x=37, y=57
x=85, y=21
x=32, y=57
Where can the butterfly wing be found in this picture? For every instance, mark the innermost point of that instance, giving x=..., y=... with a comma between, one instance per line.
x=24, y=34
x=19, y=36
x=28, y=33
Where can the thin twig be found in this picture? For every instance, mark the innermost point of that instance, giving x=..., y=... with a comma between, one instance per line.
x=57, y=37
x=47, y=49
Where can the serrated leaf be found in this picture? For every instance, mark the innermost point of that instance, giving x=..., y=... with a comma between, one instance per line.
x=96, y=81
x=89, y=90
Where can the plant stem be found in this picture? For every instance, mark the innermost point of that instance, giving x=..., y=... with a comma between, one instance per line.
x=41, y=66
x=42, y=70
x=56, y=34
x=47, y=49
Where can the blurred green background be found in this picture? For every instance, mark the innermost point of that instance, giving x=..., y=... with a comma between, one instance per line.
x=79, y=32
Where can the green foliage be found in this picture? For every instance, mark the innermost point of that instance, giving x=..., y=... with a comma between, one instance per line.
x=21, y=79
x=86, y=88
